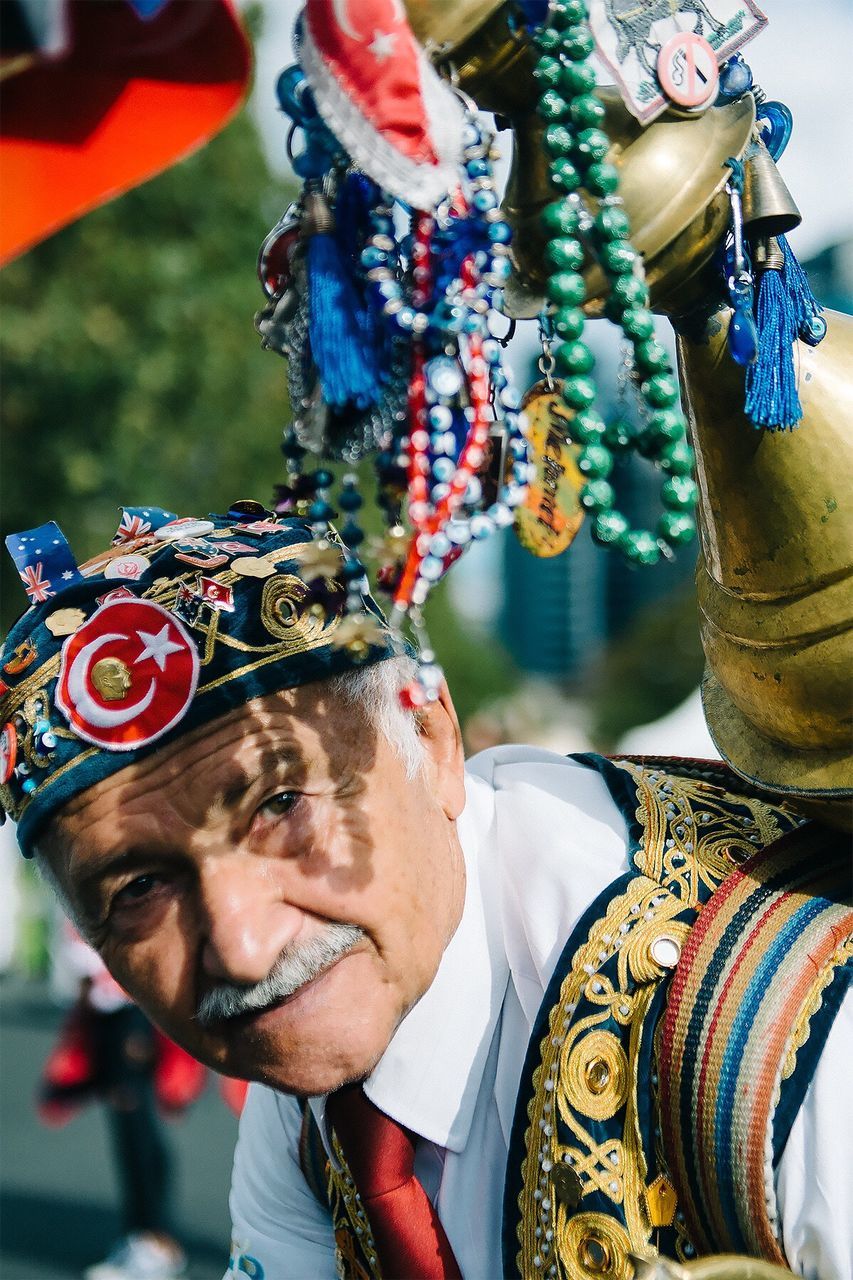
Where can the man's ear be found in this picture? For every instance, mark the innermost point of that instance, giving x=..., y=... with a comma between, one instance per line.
x=441, y=736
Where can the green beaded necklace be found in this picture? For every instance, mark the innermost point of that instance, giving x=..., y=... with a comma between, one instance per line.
x=578, y=147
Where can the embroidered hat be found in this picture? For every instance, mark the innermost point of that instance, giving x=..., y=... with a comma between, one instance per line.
x=179, y=622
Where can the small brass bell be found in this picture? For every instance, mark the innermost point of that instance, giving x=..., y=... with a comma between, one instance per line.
x=768, y=206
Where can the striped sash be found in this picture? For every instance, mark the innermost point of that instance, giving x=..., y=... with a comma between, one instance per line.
x=774, y=943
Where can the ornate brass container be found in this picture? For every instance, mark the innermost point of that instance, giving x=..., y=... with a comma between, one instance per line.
x=775, y=577
x=775, y=573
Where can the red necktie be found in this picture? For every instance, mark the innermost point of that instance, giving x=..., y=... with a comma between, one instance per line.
x=411, y=1242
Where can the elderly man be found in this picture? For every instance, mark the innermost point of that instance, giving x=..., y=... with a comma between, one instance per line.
x=488, y=1035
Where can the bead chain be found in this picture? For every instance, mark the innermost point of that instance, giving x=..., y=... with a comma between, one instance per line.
x=577, y=147
x=418, y=435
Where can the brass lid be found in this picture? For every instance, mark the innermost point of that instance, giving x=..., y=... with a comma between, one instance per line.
x=819, y=775
x=445, y=24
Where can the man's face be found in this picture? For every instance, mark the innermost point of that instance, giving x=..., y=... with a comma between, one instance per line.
x=205, y=863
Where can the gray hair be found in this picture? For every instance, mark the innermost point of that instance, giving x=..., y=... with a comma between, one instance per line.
x=376, y=689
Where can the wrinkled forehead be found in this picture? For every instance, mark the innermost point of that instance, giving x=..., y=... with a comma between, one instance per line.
x=294, y=736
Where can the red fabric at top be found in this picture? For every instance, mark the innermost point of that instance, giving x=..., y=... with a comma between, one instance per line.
x=128, y=99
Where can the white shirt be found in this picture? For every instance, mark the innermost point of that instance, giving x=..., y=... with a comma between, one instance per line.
x=542, y=838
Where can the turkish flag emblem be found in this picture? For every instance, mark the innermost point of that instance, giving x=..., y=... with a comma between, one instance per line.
x=216, y=594
x=127, y=676
x=382, y=98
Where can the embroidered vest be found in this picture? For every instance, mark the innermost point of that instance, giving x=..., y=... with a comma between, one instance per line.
x=667, y=1063
x=663, y=1054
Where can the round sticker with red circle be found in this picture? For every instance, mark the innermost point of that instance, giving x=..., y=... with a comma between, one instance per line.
x=127, y=676
x=687, y=70
x=130, y=567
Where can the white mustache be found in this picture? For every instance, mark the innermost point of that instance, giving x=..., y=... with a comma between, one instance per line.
x=297, y=965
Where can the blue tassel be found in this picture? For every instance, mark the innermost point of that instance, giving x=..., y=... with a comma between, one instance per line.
x=336, y=326
x=771, y=383
x=357, y=195
x=356, y=198
x=810, y=323
x=786, y=305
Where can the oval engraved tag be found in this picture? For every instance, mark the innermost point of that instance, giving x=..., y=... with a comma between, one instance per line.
x=551, y=515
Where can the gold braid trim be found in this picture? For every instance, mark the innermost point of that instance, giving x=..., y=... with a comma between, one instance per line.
x=355, y=1251
x=694, y=834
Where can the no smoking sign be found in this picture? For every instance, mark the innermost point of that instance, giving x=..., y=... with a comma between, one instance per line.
x=687, y=70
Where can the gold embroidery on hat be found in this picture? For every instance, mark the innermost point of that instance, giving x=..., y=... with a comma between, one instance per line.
x=287, y=615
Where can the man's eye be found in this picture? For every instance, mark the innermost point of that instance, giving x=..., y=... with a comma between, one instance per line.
x=281, y=804
x=136, y=891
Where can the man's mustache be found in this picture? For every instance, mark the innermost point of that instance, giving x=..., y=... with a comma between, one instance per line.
x=297, y=965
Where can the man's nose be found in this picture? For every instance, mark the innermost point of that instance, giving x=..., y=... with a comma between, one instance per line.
x=245, y=922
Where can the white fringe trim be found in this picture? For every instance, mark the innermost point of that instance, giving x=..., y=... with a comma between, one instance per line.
x=419, y=184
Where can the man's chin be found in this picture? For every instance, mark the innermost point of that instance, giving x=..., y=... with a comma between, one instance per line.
x=309, y=1071
x=325, y=1036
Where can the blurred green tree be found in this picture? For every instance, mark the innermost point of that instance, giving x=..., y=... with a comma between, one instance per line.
x=131, y=372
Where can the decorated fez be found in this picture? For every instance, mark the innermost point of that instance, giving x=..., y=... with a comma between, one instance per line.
x=181, y=621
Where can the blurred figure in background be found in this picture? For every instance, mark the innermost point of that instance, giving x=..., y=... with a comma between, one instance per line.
x=108, y=1049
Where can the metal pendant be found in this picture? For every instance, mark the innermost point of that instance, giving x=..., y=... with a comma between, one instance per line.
x=551, y=515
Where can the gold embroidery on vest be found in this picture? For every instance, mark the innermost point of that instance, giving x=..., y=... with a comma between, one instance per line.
x=672, y=810
x=692, y=839
x=355, y=1249
x=600, y=1245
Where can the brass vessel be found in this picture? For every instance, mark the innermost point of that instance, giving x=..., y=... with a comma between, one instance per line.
x=775, y=572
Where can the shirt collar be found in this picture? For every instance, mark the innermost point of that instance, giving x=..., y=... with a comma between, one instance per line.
x=429, y=1077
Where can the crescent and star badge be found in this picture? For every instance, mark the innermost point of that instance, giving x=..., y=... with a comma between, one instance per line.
x=127, y=676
